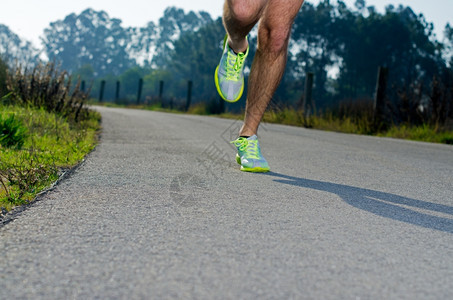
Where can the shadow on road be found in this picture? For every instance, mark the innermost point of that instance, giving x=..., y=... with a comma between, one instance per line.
x=383, y=204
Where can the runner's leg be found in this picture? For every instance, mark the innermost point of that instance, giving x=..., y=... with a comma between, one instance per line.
x=239, y=17
x=270, y=59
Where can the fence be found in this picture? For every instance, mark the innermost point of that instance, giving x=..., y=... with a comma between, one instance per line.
x=139, y=94
x=307, y=103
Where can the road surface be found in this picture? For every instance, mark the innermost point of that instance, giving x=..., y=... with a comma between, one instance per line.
x=161, y=210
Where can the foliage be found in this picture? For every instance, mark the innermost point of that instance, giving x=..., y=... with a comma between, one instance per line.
x=129, y=81
x=172, y=26
x=315, y=39
x=12, y=132
x=51, y=145
x=356, y=43
x=418, y=104
x=348, y=119
x=45, y=86
x=352, y=117
x=76, y=40
x=448, y=44
x=23, y=177
x=425, y=133
x=194, y=57
x=15, y=50
x=93, y=38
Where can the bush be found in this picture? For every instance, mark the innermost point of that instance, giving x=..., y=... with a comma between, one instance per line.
x=25, y=176
x=12, y=132
x=47, y=87
x=50, y=146
x=417, y=105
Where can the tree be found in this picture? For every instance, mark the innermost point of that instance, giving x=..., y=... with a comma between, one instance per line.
x=89, y=38
x=129, y=81
x=93, y=38
x=195, y=56
x=398, y=39
x=15, y=50
x=174, y=24
x=85, y=72
x=143, y=44
x=448, y=45
x=313, y=48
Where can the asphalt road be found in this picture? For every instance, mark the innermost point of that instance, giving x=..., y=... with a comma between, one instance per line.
x=161, y=210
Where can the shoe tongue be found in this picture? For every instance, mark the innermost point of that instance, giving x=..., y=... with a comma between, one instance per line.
x=231, y=51
x=252, y=138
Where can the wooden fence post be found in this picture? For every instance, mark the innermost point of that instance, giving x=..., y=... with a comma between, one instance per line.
x=308, y=104
x=117, y=91
x=222, y=105
x=379, y=101
x=101, y=92
x=161, y=90
x=140, y=88
x=189, y=94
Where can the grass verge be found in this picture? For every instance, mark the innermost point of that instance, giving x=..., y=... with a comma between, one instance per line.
x=358, y=123
x=361, y=125
x=424, y=133
x=49, y=144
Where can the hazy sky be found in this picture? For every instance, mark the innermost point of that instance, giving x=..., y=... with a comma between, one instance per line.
x=28, y=18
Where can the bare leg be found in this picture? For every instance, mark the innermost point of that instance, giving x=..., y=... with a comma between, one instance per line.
x=239, y=17
x=270, y=59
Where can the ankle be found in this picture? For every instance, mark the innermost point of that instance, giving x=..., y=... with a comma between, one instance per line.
x=246, y=133
x=237, y=46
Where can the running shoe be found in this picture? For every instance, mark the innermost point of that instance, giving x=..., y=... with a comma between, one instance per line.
x=249, y=155
x=229, y=74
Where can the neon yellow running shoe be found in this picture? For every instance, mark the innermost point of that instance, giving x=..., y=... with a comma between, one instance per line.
x=229, y=74
x=249, y=155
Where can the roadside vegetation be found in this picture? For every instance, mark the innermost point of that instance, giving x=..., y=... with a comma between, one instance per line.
x=362, y=125
x=354, y=117
x=45, y=129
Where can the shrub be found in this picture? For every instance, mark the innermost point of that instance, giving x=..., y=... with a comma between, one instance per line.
x=47, y=87
x=12, y=132
x=25, y=176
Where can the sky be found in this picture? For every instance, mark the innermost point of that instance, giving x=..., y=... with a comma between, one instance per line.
x=28, y=18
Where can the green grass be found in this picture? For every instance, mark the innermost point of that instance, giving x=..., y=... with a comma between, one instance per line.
x=423, y=133
x=12, y=132
x=356, y=125
x=327, y=121
x=51, y=144
x=361, y=125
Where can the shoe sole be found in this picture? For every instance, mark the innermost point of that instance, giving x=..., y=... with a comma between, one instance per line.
x=252, y=170
x=217, y=85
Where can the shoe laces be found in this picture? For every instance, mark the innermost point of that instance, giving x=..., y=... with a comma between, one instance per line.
x=234, y=65
x=250, y=147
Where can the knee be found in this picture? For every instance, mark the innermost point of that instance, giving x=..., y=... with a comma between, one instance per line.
x=274, y=39
x=244, y=12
